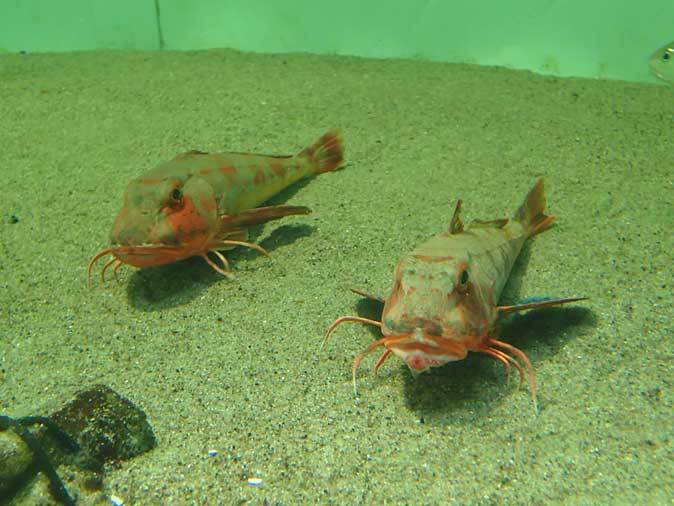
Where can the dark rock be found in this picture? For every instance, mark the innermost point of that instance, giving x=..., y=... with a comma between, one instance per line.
x=107, y=427
x=15, y=457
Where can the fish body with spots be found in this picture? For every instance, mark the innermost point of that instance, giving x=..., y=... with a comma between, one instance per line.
x=202, y=203
x=444, y=299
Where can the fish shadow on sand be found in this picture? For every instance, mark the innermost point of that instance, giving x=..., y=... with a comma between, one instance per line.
x=478, y=383
x=167, y=286
x=479, y=380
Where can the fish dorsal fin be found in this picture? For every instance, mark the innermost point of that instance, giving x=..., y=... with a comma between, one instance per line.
x=500, y=223
x=456, y=225
x=191, y=152
x=244, y=153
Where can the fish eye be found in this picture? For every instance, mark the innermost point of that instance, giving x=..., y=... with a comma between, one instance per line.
x=463, y=279
x=176, y=195
x=666, y=55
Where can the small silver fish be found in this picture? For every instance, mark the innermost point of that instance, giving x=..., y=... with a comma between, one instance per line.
x=662, y=63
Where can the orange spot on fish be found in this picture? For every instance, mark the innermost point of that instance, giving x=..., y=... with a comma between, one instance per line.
x=277, y=168
x=259, y=176
x=310, y=154
x=229, y=173
x=187, y=224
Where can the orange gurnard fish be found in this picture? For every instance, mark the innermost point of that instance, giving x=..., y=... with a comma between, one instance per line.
x=201, y=203
x=443, y=303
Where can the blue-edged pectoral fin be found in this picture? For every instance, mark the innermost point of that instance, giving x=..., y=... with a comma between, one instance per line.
x=536, y=303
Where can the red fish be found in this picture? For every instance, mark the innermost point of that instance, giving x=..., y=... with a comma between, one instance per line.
x=201, y=203
x=443, y=303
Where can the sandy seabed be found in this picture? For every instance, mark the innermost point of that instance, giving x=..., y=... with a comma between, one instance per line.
x=235, y=365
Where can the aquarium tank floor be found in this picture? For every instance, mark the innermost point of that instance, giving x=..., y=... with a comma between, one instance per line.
x=230, y=372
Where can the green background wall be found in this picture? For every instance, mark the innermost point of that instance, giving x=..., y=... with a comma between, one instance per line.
x=592, y=38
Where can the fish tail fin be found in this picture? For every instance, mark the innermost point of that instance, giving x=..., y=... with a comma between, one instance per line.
x=531, y=213
x=326, y=154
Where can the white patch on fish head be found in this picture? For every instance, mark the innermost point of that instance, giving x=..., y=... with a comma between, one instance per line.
x=662, y=63
x=427, y=294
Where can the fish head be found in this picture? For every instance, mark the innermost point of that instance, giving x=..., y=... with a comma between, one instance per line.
x=662, y=63
x=436, y=311
x=164, y=220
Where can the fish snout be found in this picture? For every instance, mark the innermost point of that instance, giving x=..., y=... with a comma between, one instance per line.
x=138, y=229
x=422, y=350
x=129, y=229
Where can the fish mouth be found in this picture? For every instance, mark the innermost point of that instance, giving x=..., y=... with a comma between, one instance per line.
x=422, y=351
x=150, y=255
x=144, y=255
x=147, y=255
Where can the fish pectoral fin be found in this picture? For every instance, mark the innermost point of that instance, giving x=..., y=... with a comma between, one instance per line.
x=368, y=295
x=259, y=215
x=536, y=303
x=191, y=152
x=500, y=223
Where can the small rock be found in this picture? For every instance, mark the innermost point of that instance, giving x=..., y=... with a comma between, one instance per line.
x=107, y=427
x=15, y=457
x=116, y=501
